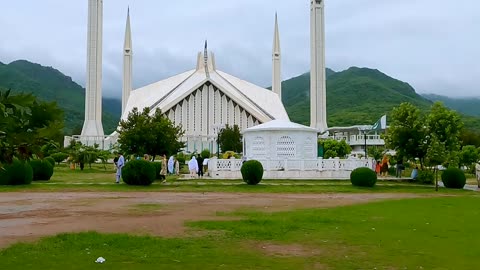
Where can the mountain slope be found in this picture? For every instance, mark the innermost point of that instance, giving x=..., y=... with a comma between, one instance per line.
x=354, y=96
x=50, y=84
x=468, y=106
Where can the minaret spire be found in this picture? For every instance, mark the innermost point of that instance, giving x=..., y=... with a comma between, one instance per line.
x=276, y=62
x=127, y=64
x=318, y=93
x=93, y=95
x=205, y=59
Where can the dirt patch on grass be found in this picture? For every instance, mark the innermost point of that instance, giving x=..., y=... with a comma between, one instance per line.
x=286, y=250
x=28, y=216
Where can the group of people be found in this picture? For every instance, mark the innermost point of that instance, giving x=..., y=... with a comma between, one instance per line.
x=197, y=166
x=171, y=167
x=381, y=167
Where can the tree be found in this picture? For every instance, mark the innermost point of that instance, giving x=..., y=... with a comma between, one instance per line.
x=414, y=135
x=334, y=148
x=407, y=132
x=27, y=124
x=230, y=139
x=469, y=155
x=446, y=125
x=146, y=133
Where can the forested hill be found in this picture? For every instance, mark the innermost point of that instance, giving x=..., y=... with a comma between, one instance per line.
x=50, y=84
x=354, y=96
x=468, y=106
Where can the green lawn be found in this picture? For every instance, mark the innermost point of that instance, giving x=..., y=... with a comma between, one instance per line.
x=428, y=233
x=99, y=179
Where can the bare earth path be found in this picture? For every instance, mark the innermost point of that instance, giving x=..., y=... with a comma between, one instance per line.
x=29, y=216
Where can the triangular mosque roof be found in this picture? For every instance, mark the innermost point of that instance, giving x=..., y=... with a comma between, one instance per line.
x=264, y=104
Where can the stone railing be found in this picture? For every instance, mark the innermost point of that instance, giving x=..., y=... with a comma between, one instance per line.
x=218, y=165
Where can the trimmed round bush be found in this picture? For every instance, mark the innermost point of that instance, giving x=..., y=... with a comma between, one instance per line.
x=252, y=172
x=59, y=157
x=50, y=160
x=454, y=178
x=426, y=177
x=158, y=168
x=16, y=173
x=138, y=173
x=363, y=177
x=42, y=170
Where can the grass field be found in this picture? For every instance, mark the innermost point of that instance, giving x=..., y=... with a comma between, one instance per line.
x=428, y=233
x=99, y=179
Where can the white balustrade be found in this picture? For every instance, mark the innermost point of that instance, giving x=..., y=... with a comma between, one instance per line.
x=336, y=164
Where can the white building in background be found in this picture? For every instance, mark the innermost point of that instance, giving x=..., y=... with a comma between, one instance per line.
x=205, y=99
x=280, y=139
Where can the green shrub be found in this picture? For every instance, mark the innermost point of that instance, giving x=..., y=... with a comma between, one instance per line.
x=50, y=160
x=138, y=173
x=158, y=168
x=59, y=157
x=454, y=178
x=42, y=170
x=205, y=153
x=426, y=177
x=181, y=157
x=16, y=173
x=363, y=177
x=252, y=172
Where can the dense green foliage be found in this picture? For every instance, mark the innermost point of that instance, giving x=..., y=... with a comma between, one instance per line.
x=426, y=176
x=334, y=148
x=50, y=160
x=42, y=170
x=59, y=157
x=83, y=154
x=433, y=138
x=26, y=126
x=363, y=177
x=230, y=139
x=469, y=155
x=16, y=173
x=138, y=173
x=49, y=84
x=454, y=178
x=205, y=153
x=142, y=133
x=158, y=168
x=252, y=172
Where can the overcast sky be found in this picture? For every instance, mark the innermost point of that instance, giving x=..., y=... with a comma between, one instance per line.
x=431, y=44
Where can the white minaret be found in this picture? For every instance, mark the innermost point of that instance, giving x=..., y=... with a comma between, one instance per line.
x=93, y=94
x=127, y=64
x=318, y=93
x=276, y=62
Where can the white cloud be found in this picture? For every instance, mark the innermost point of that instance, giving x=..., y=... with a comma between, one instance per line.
x=432, y=44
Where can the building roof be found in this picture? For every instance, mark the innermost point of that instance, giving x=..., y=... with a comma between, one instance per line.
x=280, y=125
x=260, y=102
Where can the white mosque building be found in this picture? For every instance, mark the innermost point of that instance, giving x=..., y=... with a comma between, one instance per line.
x=205, y=99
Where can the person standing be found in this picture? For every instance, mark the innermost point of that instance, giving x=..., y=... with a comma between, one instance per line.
x=171, y=165
x=200, y=166
x=120, y=164
x=177, y=167
x=163, y=170
x=193, y=167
